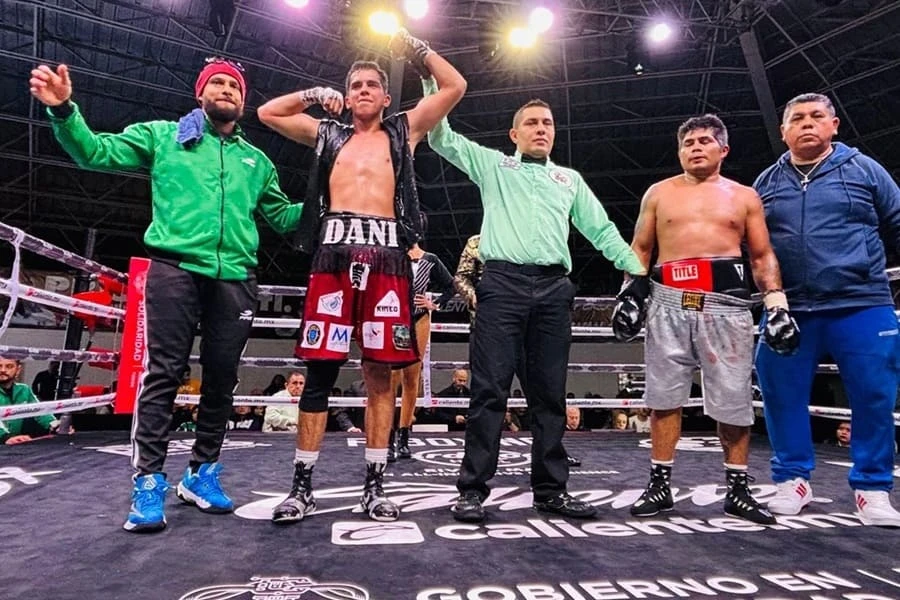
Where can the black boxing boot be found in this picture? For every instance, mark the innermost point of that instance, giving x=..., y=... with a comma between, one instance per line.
x=374, y=501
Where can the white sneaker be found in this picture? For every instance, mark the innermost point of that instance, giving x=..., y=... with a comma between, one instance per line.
x=792, y=496
x=875, y=509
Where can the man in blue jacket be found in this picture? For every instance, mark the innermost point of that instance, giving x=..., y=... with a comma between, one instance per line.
x=824, y=204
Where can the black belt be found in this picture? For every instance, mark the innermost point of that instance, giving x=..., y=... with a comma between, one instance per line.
x=530, y=270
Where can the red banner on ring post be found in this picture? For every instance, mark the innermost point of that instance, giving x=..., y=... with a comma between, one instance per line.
x=133, y=354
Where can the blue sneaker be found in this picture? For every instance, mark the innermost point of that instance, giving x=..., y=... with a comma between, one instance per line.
x=147, y=500
x=202, y=489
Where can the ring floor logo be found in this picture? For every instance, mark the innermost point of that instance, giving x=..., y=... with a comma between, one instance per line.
x=177, y=447
x=414, y=497
x=820, y=585
x=17, y=475
x=282, y=588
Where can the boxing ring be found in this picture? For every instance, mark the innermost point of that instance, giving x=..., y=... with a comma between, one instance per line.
x=63, y=499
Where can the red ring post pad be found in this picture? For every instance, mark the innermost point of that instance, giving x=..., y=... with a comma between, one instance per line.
x=134, y=338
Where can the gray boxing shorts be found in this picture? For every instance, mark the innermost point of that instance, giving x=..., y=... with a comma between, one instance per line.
x=686, y=330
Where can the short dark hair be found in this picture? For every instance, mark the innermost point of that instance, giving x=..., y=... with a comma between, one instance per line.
x=810, y=97
x=366, y=65
x=707, y=121
x=534, y=102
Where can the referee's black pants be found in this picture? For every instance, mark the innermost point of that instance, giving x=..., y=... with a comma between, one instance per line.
x=176, y=302
x=527, y=307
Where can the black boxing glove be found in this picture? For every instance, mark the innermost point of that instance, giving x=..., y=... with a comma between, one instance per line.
x=781, y=333
x=628, y=315
x=414, y=50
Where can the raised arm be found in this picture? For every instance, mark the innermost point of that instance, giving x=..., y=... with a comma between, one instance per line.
x=286, y=114
x=131, y=149
x=432, y=108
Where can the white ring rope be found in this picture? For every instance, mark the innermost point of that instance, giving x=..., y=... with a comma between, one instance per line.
x=22, y=352
x=34, y=409
x=55, y=300
x=39, y=246
x=19, y=411
x=18, y=237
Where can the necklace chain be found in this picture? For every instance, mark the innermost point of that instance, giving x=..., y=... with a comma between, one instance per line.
x=804, y=177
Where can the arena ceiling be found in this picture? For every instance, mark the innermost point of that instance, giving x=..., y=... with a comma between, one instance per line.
x=136, y=60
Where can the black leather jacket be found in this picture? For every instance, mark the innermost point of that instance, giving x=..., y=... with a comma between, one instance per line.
x=331, y=138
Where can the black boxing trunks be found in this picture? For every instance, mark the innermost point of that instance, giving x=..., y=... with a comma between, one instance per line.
x=359, y=288
x=723, y=275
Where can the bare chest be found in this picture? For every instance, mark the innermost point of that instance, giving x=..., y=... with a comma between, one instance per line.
x=709, y=211
x=366, y=157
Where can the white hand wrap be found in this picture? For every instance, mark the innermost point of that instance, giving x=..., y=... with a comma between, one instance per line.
x=775, y=299
x=320, y=95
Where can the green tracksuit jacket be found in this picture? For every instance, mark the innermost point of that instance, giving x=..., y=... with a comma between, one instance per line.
x=204, y=196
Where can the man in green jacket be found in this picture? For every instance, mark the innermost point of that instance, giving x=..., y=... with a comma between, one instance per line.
x=208, y=181
x=525, y=300
x=18, y=431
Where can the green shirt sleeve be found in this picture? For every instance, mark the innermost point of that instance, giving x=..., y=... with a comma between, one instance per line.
x=132, y=149
x=276, y=208
x=464, y=154
x=590, y=218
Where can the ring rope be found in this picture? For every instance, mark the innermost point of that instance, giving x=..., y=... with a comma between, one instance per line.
x=39, y=246
x=64, y=406
x=48, y=298
x=34, y=409
x=23, y=352
x=18, y=237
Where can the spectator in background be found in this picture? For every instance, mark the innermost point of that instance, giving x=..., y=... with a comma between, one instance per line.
x=640, y=420
x=276, y=385
x=44, y=384
x=283, y=417
x=620, y=420
x=244, y=418
x=458, y=388
x=842, y=435
x=18, y=431
x=573, y=419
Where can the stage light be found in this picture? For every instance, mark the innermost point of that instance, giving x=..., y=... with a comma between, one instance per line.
x=540, y=20
x=636, y=56
x=297, y=3
x=522, y=37
x=384, y=22
x=659, y=33
x=416, y=9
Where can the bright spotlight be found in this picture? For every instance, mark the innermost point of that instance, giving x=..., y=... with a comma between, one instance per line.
x=659, y=33
x=416, y=9
x=521, y=37
x=297, y=3
x=384, y=22
x=540, y=19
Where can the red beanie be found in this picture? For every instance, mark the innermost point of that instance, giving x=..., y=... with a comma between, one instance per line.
x=216, y=68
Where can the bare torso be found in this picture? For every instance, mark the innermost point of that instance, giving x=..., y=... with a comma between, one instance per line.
x=362, y=179
x=695, y=220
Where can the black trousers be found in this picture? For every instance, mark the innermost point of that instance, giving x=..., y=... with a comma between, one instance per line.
x=177, y=301
x=527, y=307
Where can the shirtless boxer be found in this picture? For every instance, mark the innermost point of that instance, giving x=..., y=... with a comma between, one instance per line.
x=363, y=215
x=698, y=314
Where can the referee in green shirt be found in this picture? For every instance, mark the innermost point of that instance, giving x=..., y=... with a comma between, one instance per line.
x=525, y=299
